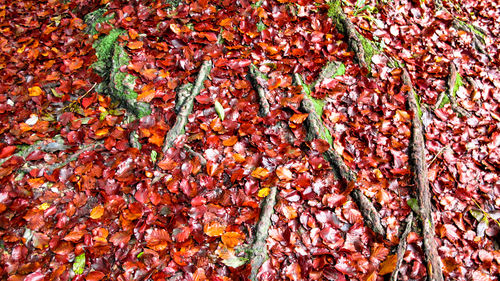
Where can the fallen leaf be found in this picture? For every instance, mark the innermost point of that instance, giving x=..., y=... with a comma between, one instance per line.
x=35, y=91
x=134, y=45
x=263, y=192
x=97, y=212
x=213, y=228
x=388, y=265
x=260, y=173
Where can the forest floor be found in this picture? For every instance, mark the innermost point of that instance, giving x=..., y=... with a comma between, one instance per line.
x=250, y=140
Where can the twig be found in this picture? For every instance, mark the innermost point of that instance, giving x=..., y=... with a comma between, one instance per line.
x=203, y=161
x=437, y=155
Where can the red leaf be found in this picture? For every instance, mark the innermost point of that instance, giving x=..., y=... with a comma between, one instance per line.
x=7, y=151
x=120, y=239
x=158, y=239
x=94, y=276
x=320, y=145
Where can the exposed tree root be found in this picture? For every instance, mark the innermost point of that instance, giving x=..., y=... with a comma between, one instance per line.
x=417, y=156
x=253, y=76
x=328, y=71
x=57, y=144
x=72, y=157
x=451, y=92
x=316, y=129
x=402, y=247
x=355, y=40
x=259, y=252
x=369, y=212
x=203, y=161
x=187, y=106
x=477, y=33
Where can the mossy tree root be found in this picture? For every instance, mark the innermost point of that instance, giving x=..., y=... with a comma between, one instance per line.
x=259, y=251
x=417, y=157
x=187, y=102
x=451, y=92
x=316, y=129
x=253, y=76
x=402, y=247
x=355, y=40
x=477, y=33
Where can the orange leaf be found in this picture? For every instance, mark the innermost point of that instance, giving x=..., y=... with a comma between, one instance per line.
x=232, y=239
x=75, y=64
x=102, y=132
x=388, y=265
x=134, y=45
x=213, y=228
x=156, y=139
x=147, y=94
x=35, y=91
x=298, y=118
x=260, y=173
x=149, y=74
x=97, y=212
x=7, y=151
x=132, y=33
x=230, y=141
x=74, y=236
x=284, y=173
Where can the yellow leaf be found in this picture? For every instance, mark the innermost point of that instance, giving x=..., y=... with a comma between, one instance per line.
x=263, y=192
x=44, y=206
x=35, y=91
x=102, y=132
x=97, y=212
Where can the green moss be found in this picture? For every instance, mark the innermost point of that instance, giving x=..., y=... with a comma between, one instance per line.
x=336, y=13
x=318, y=108
x=261, y=26
x=120, y=85
x=340, y=71
x=95, y=17
x=458, y=83
x=417, y=99
x=104, y=51
x=369, y=48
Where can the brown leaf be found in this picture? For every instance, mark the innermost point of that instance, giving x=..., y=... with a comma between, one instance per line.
x=74, y=236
